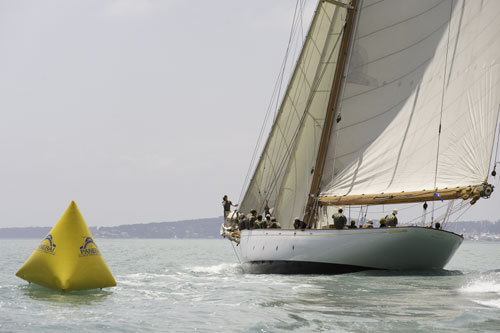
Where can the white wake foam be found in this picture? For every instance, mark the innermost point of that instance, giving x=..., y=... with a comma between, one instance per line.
x=485, y=290
x=493, y=303
x=483, y=285
x=216, y=269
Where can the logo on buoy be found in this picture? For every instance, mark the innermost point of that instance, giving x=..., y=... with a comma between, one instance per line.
x=89, y=248
x=48, y=246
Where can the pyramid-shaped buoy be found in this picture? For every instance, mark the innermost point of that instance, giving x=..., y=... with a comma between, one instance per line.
x=68, y=257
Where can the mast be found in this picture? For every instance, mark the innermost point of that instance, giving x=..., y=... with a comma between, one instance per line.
x=310, y=212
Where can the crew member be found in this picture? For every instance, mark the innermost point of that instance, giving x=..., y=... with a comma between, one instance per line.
x=368, y=225
x=274, y=224
x=226, y=203
x=391, y=220
x=259, y=224
x=298, y=224
x=242, y=223
x=252, y=217
x=268, y=221
x=339, y=219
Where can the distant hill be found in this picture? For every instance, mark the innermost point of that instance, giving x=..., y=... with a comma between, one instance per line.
x=209, y=228
x=476, y=230
x=200, y=228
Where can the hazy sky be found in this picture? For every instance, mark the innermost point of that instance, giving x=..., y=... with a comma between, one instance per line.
x=139, y=110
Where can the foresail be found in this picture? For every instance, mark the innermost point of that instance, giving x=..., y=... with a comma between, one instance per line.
x=282, y=176
x=421, y=100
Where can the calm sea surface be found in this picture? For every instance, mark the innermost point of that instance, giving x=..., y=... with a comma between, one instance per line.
x=198, y=285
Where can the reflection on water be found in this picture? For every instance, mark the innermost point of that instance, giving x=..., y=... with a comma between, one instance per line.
x=68, y=298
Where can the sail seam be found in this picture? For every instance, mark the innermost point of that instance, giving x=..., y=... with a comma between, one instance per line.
x=406, y=48
x=403, y=21
x=401, y=102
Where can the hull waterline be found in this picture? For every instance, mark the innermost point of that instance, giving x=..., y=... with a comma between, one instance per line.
x=281, y=251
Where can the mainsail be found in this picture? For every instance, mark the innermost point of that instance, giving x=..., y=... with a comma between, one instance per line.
x=419, y=104
x=421, y=99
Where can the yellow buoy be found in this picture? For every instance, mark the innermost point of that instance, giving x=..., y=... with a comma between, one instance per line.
x=68, y=257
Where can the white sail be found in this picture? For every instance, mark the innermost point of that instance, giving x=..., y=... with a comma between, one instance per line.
x=289, y=153
x=416, y=96
x=416, y=67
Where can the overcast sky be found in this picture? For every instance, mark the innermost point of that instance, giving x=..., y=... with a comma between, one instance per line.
x=139, y=110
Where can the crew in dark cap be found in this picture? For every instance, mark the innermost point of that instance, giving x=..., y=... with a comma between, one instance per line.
x=275, y=224
x=259, y=222
x=298, y=224
x=251, y=218
x=268, y=221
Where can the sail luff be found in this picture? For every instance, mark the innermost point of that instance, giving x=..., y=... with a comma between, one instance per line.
x=283, y=168
x=295, y=187
x=334, y=97
x=253, y=198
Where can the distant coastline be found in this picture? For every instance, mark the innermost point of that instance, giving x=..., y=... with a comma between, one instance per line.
x=199, y=228
x=208, y=228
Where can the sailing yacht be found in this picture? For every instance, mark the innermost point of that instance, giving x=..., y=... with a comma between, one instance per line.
x=390, y=102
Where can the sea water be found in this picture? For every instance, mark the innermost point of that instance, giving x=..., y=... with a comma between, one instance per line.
x=174, y=285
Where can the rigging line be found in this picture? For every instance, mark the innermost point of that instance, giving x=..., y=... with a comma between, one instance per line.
x=236, y=254
x=296, y=18
x=453, y=211
x=465, y=211
x=410, y=206
x=498, y=136
x=449, y=211
x=427, y=213
x=301, y=16
x=442, y=104
x=313, y=89
x=274, y=95
x=315, y=85
x=286, y=157
x=497, y=132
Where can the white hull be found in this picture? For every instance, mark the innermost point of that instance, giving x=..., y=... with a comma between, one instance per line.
x=341, y=251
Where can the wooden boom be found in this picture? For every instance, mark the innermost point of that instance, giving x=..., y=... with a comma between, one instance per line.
x=466, y=192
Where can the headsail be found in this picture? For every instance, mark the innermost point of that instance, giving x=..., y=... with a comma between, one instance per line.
x=282, y=176
x=420, y=105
